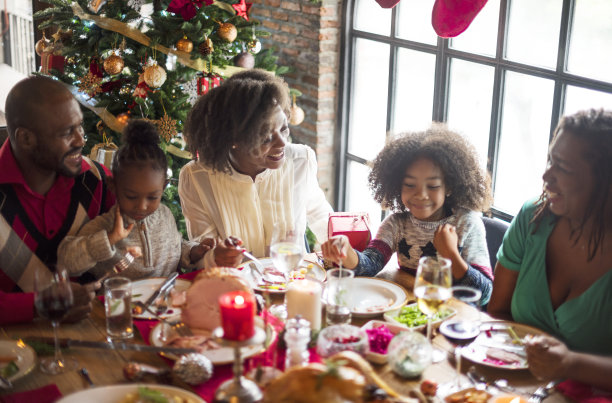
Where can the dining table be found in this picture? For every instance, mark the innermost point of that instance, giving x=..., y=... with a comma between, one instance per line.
x=105, y=367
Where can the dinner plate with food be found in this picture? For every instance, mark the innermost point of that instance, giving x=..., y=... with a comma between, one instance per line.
x=409, y=316
x=132, y=393
x=17, y=359
x=268, y=278
x=200, y=313
x=500, y=345
x=166, y=306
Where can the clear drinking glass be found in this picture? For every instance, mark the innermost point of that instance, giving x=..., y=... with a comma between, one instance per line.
x=117, y=304
x=432, y=287
x=53, y=299
x=464, y=330
x=286, y=252
x=337, y=307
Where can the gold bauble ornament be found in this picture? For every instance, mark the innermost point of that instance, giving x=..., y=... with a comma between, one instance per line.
x=113, y=64
x=154, y=75
x=122, y=118
x=41, y=45
x=297, y=115
x=206, y=47
x=166, y=127
x=227, y=32
x=184, y=45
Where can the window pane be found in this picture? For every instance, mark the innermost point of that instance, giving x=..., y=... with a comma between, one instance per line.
x=577, y=98
x=525, y=130
x=368, y=113
x=469, y=103
x=481, y=35
x=358, y=195
x=533, y=32
x=414, y=90
x=371, y=17
x=414, y=21
x=591, y=40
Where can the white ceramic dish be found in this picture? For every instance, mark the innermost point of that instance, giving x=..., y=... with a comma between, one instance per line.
x=312, y=270
x=378, y=358
x=391, y=317
x=22, y=354
x=368, y=297
x=495, y=335
x=115, y=393
x=143, y=289
x=219, y=356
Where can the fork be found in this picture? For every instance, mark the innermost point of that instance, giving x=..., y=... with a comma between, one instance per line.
x=542, y=392
x=180, y=327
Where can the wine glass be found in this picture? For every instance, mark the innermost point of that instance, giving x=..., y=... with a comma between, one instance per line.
x=286, y=252
x=53, y=299
x=432, y=287
x=464, y=330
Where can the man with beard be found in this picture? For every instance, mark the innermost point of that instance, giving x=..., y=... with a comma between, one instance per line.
x=47, y=190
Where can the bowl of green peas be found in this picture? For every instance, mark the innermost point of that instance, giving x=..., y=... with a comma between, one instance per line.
x=412, y=318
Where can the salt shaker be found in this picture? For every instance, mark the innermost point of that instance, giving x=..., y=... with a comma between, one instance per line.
x=297, y=337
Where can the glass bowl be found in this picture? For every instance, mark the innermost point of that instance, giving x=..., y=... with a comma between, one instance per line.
x=336, y=338
x=409, y=354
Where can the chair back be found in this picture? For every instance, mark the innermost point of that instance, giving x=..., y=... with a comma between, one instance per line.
x=495, y=230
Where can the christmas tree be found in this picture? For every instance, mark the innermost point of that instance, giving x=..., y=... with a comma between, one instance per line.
x=128, y=59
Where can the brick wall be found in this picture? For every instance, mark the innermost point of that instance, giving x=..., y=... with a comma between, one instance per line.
x=307, y=38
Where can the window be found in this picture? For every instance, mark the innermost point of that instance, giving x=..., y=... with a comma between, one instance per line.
x=503, y=83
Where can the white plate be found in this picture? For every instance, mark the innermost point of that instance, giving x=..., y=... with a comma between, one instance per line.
x=369, y=297
x=115, y=393
x=312, y=270
x=143, y=289
x=25, y=357
x=496, y=335
x=219, y=356
x=391, y=317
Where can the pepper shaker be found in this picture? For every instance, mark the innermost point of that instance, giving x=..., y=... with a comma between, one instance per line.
x=297, y=337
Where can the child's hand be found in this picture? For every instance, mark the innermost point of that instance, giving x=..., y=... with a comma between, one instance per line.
x=198, y=251
x=119, y=232
x=336, y=248
x=135, y=251
x=228, y=253
x=445, y=240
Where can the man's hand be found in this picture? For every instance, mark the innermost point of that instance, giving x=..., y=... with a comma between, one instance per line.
x=119, y=231
x=82, y=295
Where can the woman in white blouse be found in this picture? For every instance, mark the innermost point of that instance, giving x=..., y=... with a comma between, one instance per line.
x=246, y=178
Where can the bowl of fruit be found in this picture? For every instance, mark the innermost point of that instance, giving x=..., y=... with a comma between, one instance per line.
x=336, y=338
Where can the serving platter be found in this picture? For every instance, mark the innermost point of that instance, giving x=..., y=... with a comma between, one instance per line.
x=117, y=393
x=21, y=354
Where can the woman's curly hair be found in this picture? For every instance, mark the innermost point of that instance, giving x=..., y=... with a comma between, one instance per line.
x=238, y=112
x=468, y=185
x=594, y=128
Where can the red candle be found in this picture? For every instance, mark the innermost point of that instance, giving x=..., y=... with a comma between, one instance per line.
x=237, y=315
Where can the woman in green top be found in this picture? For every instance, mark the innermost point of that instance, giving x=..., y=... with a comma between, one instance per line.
x=554, y=268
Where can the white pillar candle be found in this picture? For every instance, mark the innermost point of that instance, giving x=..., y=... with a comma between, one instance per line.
x=303, y=298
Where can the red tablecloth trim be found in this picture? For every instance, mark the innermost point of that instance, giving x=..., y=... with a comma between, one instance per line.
x=47, y=394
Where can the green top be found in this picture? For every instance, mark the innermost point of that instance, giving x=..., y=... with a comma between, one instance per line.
x=584, y=323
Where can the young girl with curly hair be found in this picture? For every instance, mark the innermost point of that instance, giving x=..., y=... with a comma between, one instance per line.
x=138, y=222
x=433, y=182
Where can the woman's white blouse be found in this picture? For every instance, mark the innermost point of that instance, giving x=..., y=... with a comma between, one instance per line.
x=217, y=204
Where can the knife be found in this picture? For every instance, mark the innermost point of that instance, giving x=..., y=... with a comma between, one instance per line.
x=162, y=288
x=64, y=342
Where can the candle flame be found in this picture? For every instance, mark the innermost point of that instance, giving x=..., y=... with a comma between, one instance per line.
x=239, y=300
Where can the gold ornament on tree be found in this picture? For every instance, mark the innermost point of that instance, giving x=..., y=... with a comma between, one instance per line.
x=103, y=152
x=113, y=64
x=184, y=45
x=227, y=32
x=42, y=44
x=206, y=47
x=154, y=75
x=167, y=127
x=297, y=114
x=90, y=84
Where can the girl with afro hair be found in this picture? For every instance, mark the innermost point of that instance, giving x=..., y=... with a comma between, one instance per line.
x=433, y=183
